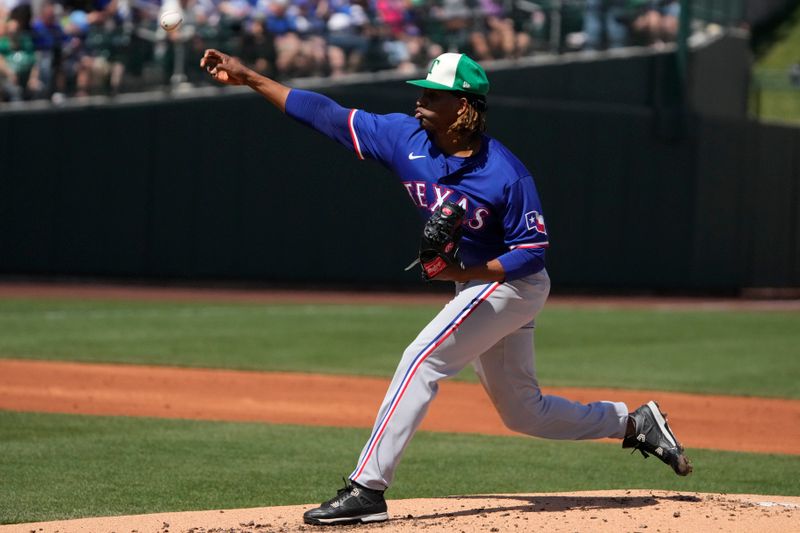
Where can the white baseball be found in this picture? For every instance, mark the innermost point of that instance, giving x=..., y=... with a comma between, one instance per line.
x=171, y=20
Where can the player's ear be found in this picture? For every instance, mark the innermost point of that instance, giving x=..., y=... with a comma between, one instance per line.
x=463, y=105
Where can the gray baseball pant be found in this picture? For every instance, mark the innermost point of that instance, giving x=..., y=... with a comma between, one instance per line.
x=491, y=326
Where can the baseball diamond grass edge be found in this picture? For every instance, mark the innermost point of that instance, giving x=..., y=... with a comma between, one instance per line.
x=727, y=352
x=70, y=466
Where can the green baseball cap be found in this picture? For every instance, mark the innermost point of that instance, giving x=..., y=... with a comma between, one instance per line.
x=455, y=72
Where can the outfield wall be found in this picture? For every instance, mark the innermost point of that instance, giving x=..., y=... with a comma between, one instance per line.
x=637, y=194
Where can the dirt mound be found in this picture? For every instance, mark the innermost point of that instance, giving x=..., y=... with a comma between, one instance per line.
x=627, y=510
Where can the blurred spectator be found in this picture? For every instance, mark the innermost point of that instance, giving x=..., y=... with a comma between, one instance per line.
x=615, y=23
x=10, y=91
x=19, y=10
x=18, y=72
x=49, y=39
x=235, y=11
x=654, y=22
x=494, y=35
x=82, y=47
x=348, y=36
x=455, y=20
x=106, y=46
x=406, y=45
x=396, y=31
x=529, y=24
x=282, y=25
x=670, y=20
x=310, y=20
x=258, y=48
x=9, y=83
x=604, y=24
x=77, y=64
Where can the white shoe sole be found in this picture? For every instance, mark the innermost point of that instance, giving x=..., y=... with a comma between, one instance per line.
x=682, y=467
x=376, y=517
x=662, y=423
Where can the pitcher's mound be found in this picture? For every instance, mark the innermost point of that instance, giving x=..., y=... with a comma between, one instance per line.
x=609, y=510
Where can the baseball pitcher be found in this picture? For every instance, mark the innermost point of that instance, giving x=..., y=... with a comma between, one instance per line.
x=486, y=232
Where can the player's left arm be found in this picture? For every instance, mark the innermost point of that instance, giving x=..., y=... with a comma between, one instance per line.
x=491, y=271
x=525, y=230
x=525, y=236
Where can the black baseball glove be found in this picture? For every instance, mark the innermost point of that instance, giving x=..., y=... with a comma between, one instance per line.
x=438, y=247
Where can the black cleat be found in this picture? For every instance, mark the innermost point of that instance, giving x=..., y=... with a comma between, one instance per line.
x=352, y=504
x=652, y=436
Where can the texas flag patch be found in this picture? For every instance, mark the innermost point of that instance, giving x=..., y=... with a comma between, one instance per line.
x=535, y=221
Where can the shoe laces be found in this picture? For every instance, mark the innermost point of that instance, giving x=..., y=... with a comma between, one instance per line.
x=341, y=494
x=640, y=448
x=348, y=486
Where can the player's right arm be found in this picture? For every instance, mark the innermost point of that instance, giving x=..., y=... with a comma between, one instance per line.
x=366, y=134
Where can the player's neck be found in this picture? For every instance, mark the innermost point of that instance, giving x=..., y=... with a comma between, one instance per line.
x=459, y=145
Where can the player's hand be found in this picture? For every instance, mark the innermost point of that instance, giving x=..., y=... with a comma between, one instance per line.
x=491, y=271
x=452, y=273
x=224, y=68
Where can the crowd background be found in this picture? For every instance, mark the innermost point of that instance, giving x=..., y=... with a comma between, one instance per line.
x=55, y=49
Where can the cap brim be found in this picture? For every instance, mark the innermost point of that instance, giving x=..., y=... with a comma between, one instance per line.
x=430, y=85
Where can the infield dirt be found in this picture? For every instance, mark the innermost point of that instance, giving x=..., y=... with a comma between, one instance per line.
x=617, y=511
x=461, y=407
x=325, y=400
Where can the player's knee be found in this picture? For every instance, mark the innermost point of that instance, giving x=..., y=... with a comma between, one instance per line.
x=411, y=352
x=526, y=417
x=516, y=424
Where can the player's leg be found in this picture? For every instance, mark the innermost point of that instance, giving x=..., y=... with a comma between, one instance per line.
x=507, y=372
x=479, y=315
x=467, y=326
x=649, y=432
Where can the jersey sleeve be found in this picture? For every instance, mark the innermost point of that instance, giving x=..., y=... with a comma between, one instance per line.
x=524, y=229
x=375, y=136
x=321, y=113
x=366, y=134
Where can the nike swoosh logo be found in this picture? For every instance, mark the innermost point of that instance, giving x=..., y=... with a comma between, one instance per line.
x=412, y=157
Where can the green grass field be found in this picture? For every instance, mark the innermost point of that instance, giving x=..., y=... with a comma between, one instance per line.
x=64, y=466
x=742, y=353
x=58, y=466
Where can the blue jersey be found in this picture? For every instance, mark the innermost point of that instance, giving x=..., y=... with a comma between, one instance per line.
x=503, y=217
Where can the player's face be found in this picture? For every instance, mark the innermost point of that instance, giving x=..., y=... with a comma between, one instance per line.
x=437, y=110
